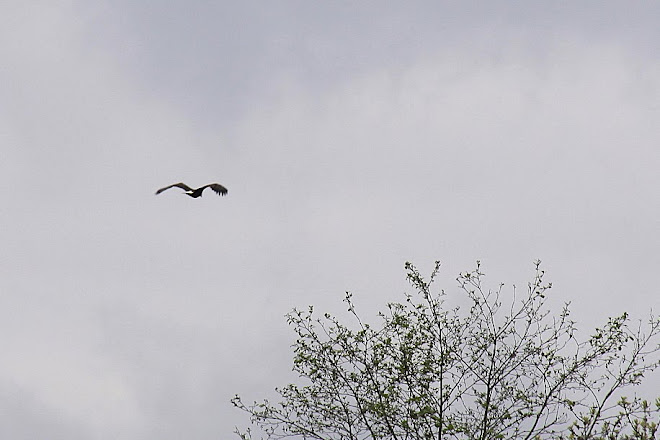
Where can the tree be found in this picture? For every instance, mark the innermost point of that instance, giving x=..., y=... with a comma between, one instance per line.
x=485, y=371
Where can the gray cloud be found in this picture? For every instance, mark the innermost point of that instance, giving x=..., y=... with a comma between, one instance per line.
x=242, y=55
x=25, y=417
x=351, y=139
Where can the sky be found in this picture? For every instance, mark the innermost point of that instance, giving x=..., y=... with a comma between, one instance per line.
x=352, y=136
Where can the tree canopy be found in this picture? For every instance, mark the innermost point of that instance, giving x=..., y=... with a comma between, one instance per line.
x=495, y=369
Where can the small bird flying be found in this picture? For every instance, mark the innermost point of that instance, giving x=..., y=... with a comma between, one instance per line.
x=194, y=193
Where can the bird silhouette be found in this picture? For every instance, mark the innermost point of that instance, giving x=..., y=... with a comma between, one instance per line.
x=194, y=193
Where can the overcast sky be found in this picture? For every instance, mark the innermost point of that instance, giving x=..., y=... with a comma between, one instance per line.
x=352, y=136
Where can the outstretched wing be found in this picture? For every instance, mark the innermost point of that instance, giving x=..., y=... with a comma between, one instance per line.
x=178, y=185
x=219, y=189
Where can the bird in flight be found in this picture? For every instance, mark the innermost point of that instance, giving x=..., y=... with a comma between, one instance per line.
x=194, y=193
